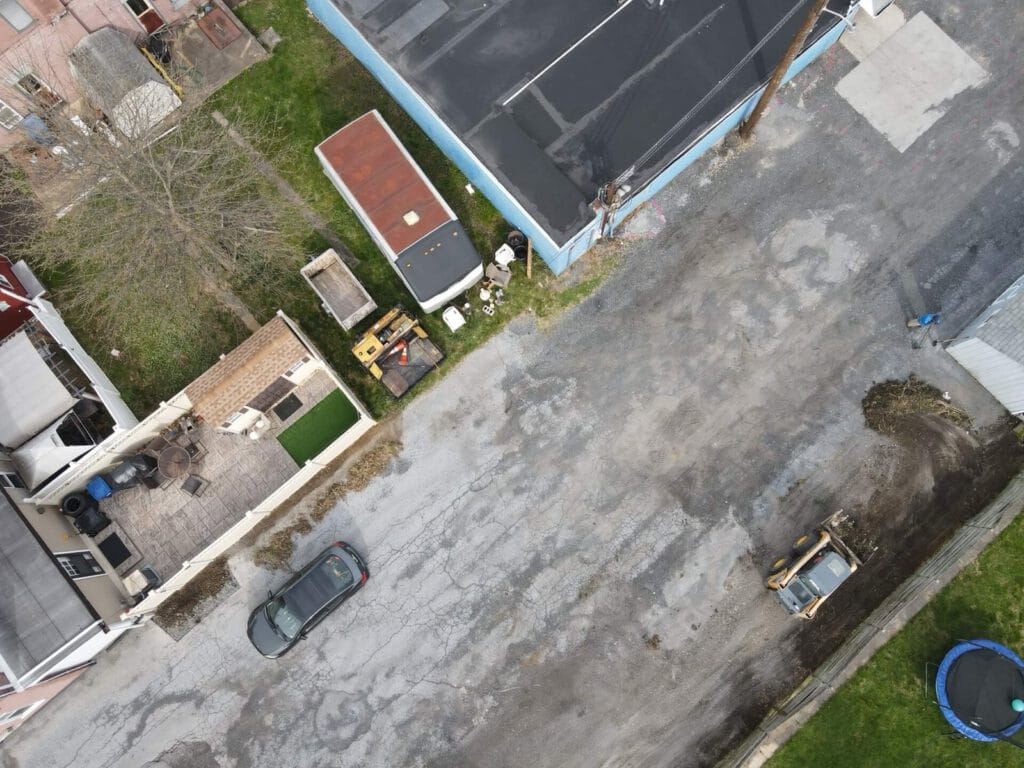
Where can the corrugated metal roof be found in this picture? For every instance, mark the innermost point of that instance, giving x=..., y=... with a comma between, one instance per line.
x=109, y=67
x=991, y=347
x=998, y=373
x=119, y=80
x=1003, y=324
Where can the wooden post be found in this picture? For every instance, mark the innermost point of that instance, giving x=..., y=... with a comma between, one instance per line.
x=780, y=71
x=529, y=259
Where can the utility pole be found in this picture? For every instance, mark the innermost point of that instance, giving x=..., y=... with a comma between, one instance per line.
x=780, y=71
x=606, y=196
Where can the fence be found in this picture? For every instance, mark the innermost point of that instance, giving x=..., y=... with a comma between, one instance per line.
x=110, y=451
x=192, y=568
x=890, y=616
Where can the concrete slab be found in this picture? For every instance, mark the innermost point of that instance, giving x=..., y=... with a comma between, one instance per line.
x=163, y=528
x=202, y=66
x=870, y=32
x=903, y=86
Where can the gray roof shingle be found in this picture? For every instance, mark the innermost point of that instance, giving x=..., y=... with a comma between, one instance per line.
x=39, y=609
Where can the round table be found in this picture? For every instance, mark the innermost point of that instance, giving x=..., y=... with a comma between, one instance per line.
x=173, y=461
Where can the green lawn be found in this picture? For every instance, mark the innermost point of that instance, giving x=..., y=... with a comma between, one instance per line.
x=160, y=359
x=882, y=716
x=320, y=426
x=157, y=358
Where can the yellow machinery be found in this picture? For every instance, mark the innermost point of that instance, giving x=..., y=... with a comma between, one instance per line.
x=396, y=351
x=814, y=570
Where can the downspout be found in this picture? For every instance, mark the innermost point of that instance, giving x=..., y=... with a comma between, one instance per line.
x=18, y=297
x=611, y=196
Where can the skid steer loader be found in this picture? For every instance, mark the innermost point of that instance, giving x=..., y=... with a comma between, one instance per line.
x=818, y=565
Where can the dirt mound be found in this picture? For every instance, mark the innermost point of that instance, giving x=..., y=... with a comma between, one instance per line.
x=938, y=477
x=888, y=405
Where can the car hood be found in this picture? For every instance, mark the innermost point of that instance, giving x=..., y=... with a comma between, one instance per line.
x=264, y=636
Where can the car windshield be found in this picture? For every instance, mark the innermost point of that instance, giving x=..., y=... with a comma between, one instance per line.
x=800, y=592
x=283, y=618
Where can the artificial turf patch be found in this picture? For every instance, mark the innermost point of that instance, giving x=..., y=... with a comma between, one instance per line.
x=324, y=423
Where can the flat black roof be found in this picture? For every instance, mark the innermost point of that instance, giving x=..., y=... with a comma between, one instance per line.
x=438, y=261
x=558, y=97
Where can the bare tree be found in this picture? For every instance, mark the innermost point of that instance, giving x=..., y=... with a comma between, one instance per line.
x=147, y=209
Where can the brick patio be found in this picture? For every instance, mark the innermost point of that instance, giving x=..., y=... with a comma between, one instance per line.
x=163, y=528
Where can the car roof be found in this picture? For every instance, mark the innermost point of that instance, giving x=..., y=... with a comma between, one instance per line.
x=315, y=586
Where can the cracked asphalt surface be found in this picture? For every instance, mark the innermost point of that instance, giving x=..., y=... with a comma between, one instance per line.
x=567, y=492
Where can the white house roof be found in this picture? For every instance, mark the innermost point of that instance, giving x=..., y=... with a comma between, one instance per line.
x=31, y=396
x=992, y=348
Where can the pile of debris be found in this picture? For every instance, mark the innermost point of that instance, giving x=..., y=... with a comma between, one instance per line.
x=887, y=405
x=186, y=607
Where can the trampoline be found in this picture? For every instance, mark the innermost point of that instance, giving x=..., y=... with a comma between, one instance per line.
x=980, y=689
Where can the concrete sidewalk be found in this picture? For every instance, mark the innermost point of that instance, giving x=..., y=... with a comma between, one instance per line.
x=568, y=493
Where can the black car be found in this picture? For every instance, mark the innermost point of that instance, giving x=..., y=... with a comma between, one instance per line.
x=288, y=614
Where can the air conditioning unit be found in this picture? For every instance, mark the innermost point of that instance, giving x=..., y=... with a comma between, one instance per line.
x=135, y=582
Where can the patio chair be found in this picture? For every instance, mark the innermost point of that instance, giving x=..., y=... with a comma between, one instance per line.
x=196, y=451
x=171, y=432
x=195, y=485
x=157, y=444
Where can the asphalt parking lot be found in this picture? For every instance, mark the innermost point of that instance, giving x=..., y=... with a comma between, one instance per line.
x=571, y=491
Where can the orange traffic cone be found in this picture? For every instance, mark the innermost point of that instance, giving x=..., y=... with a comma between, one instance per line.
x=402, y=348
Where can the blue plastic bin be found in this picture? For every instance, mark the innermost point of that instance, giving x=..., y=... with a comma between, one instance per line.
x=99, y=488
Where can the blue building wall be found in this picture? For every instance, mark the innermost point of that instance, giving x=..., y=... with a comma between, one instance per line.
x=433, y=126
x=558, y=257
x=727, y=124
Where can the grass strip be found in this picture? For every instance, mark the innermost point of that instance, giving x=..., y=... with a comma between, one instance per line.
x=883, y=716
